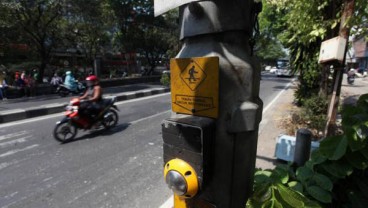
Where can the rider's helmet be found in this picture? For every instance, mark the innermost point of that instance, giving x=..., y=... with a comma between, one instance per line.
x=91, y=80
x=68, y=73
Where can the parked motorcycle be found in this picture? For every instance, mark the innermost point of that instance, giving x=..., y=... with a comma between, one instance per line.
x=66, y=129
x=351, y=76
x=351, y=80
x=63, y=91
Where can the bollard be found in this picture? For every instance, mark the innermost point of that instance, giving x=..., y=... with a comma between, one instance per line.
x=302, y=147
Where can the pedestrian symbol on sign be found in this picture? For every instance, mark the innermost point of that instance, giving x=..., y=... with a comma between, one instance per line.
x=191, y=74
x=195, y=84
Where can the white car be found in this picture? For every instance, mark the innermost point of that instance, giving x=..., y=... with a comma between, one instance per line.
x=273, y=70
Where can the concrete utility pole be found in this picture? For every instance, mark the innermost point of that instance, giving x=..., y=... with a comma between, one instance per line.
x=219, y=28
x=343, y=32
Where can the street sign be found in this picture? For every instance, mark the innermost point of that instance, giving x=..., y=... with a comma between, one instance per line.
x=195, y=86
x=162, y=6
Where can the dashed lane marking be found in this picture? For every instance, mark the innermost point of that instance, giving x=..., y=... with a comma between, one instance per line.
x=12, y=135
x=11, y=152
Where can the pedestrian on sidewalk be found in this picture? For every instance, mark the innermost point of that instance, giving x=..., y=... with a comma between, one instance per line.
x=31, y=85
x=3, y=86
x=56, y=81
x=19, y=83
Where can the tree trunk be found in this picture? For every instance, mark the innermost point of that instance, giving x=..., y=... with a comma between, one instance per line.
x=41, y=71
x=44, y=62
x=150, y=72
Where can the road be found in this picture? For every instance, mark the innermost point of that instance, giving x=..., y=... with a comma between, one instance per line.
x=117, y=168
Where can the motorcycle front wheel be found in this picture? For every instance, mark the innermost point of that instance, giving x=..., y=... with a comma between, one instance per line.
x=110, y=119
x=64, y=132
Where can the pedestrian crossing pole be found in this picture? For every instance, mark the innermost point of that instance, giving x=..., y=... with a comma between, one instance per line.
x=213, y=131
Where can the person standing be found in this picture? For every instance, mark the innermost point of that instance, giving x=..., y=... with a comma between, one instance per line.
x=3, y=86
x=26, y=86
x=56, y=80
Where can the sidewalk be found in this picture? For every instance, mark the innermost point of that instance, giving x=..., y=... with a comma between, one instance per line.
x=351, y=93
x=29, y=107
x=270, y=126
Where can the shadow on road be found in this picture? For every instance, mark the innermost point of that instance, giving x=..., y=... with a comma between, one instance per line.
x=103, y=132
x=351, y=100
x=277, y=79
x=281, y=87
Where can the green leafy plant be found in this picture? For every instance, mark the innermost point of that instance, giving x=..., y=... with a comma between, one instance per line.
x=273, y=188
x=335, y=176
x=314, y=112
x=165, y=80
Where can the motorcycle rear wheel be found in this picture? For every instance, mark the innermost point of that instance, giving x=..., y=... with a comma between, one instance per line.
x=63, y=93
x=64, y=132
x=110, y=119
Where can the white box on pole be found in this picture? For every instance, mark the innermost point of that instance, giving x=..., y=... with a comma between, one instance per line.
x=332, y=50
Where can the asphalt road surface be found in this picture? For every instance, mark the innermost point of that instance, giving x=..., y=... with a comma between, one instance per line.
x=121, y=167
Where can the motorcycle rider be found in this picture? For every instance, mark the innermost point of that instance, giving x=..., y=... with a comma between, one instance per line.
x=92, y=97
x=70, y=82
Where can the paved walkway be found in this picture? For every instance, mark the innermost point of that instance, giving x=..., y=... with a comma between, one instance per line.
x=270, y=127
x=26, y=102
x=29, y=107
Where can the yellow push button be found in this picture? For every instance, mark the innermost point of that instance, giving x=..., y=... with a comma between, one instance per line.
x=181, y=178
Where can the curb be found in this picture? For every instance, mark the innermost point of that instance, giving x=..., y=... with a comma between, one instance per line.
x=20, y=114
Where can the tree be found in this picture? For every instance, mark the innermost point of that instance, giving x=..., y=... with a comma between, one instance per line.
x=268, y=48
x=141, y=32
x=87, y=28
x=37, y=21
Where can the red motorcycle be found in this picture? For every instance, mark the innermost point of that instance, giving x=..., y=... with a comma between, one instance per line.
x=66, y=129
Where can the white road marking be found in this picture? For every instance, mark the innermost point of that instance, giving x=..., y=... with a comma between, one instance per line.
x=148, y=117
x=11, y=195
x=7, y=164
x=277, y=97
x=4, y=165
x=15, y=141
x=169, y=203
x=18, y=150
x=61, y=113
x=8, y=136
x=142, y=98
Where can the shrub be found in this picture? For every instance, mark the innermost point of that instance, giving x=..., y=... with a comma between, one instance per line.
x=311, y=115
x=165, y=80
x=314, y=112
x=335, y=176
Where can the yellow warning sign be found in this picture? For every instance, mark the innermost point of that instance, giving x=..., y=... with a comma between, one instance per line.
x=195, y=86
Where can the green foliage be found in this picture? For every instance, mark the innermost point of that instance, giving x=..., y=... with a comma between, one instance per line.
x=313, y=113
x=272, y=189
x=93, y=27
x=336, y=174
x=139, y=31
x=165, y=80
x=267, y=47
x=359, y=21
x=309, y=79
